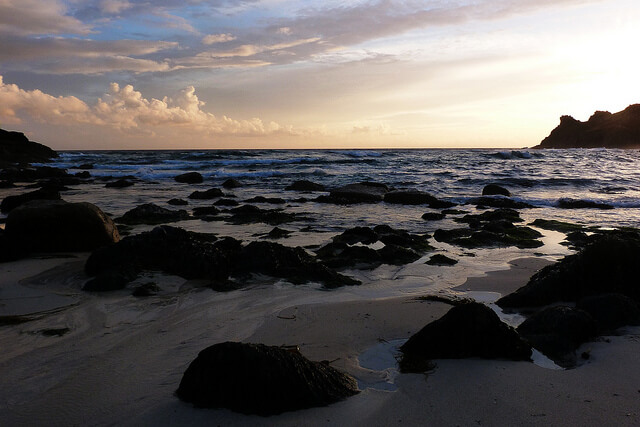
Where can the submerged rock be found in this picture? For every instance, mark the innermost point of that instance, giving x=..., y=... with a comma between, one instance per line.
x=262, y=380
x=231, y=183
x=467, y=330
x=262, y=199
x=190, y=178
x=363, y=192
x=120, y=183
x=414, y=197
x=499, y=202
x=59, y=226
x=608, y=265
x=567, y=203
x=150, y=213
x=558, y=331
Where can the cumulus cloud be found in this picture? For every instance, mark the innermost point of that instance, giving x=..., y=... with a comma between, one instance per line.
x=217, y=38
x=31, y=17
x=127, y=110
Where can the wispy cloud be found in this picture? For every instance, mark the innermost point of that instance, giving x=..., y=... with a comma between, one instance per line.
x=217, y=38
x=32, y=17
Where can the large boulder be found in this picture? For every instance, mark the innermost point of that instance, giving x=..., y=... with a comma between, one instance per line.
x=603, y=129
x=558, y=331
x=15, y=147
x=59, y=226
x=262, y=380
x=495, y=190
x=11, y=202
x=467, y=330
x=189, y=178
x=608, y=265
x=611, y=311
x=150, y=213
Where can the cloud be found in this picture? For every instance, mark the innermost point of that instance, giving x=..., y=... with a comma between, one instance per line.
x=126, y=110
x=217, y=38
x=31, y=17
x=114, y=7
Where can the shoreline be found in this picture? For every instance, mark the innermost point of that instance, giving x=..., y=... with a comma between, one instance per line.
x=123, y=358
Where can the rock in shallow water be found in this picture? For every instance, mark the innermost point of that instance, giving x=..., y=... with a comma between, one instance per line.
x=262, y=380
x=467, y=330
x=150, y=213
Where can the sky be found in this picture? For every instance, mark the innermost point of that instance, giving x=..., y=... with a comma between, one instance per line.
x=142, y=74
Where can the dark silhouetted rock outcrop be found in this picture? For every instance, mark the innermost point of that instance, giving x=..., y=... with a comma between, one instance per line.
x=262, y=380
x=603, y=129
x=495, y=190
x=59, y=226
x=15, y=147
x=467, y=330
x=608, y=265
x=11, y=202
x=558, y=331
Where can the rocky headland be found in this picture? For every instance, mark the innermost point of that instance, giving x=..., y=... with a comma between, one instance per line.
x=602, y=130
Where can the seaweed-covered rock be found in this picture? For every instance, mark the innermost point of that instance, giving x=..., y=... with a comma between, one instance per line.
x=11, y=202
x=608, y=265
x=611, y=311
x=558, y=331
x=190, y=178
x=209, y=194
x=262, y=380
x=304, y=185
x=467, y=330
x=150, y=213
x=495, y=190
x=59, y=226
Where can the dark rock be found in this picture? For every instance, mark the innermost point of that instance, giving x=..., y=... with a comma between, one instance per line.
x=363, y=192
x=278, y=233
x=492, y=234
x=558, y=331
x=190, y=178
x=11, y=202
x=31, y=174
x=169, y=249
x=146, y=290
x=608, y=265
x=551, y=224
x=453, y=212
x=603, y=129
x=292, y=264
x=566, y=203
x=205, y=211
x=112, y=279
x=414, y=197
x=495, y=190
x=577, y=239
x=262, y=380
x=397, y=255
x=54, y=332
x=305, y=185
x=611, y=311
x=247, y=214
x=150, y=213
x=355, y=235
x=16, y=148
x=226, y=202
x=262, y=199
x=178, y=202
x=499, y=202
x=85, y=166
x=7, y=184
x=433, y=216
x=392, y=236
x=439, y=259
x=120, y=183
x=341, y=255
x=58, y=226
x=211, y=193
x=82, y=175
x=231, y=183
x=502, y=214
x=467, y=330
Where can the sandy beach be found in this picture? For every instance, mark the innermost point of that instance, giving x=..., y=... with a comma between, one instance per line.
x=123, y=357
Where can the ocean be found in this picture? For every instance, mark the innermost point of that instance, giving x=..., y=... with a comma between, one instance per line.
x=540, y=178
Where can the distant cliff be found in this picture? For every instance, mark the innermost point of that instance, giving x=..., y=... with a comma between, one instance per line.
x=16, y=148
x=603, y=129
